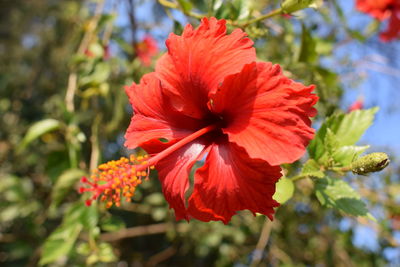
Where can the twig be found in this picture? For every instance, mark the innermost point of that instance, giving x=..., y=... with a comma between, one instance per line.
x=109, y=27
x=260, y=18
x=132, y=19
x=7, y=238
x=73, y=76
x=94, y=139
x=173, y=5
x=262, y=243
x=161, y=256
x=142, y=231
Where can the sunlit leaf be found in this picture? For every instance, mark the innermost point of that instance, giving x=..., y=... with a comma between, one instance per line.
x=106, y=253
x=284, y=190
x=112, y=223
x=38, y=129
x=336, y=193
x=313, y=169
x=185, y=5
x=308, y=52
x=345, y=155
x=290, y=6
x=60, y=243
x=63, y=185
x=346, y=128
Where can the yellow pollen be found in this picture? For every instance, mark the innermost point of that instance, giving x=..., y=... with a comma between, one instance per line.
x=117, y=179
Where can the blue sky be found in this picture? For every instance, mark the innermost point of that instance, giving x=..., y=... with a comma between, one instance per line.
x=375, y=63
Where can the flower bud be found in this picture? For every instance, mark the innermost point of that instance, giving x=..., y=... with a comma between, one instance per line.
x=290, y=6
x=373, y=162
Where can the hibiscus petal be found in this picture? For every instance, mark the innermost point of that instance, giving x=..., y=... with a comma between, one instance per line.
x=199, y=60
x=174, y=170
x=266, y=113
x=379, y=9
x=393, y=29
x=154, y=117
x=231, y=181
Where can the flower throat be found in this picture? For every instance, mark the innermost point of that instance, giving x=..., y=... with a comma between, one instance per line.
x=119, y=178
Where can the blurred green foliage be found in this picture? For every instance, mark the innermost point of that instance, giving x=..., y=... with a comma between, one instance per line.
x=63, y=111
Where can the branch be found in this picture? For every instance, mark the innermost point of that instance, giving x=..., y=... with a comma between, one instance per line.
x=273, y=13
x=174, y=5
x=142, y=231
x=262, y=243
x=73, y=76
x=161, y=256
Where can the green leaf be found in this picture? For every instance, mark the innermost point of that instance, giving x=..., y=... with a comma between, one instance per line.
x=284, y=190
x=308, y=52
x=313, y=169
x=185, y=5
x=335, y=193
x=60, y=243
x=100, y=75
x=217, y=4
x=79, y=213
x=38, y=129
x=290, y=6
x=345, y=155
x=243, y=8
x=112, y=224
x=106, y=253
x=155, y=199
x=340, y=130
x=63, y=185
x=350, y=127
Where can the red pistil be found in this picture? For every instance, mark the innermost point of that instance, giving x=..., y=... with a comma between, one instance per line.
x=121, y=177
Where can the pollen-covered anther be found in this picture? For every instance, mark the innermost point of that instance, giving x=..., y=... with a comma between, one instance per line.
x=116, y=179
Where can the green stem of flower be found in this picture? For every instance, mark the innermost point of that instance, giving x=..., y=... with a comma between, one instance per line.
x=335, y=169
x=341, y=169
x=298, y=177
x=173, y=5
x=273, y=13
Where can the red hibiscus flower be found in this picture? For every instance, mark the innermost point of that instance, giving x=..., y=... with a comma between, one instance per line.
x=358, y=104
x=146, y=50
x=216, y=105
x=382, y=10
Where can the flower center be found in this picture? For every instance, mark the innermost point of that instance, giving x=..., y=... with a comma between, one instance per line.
x=119, y=178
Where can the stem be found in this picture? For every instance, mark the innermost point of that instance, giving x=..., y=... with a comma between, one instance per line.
x=298, y=177
x=109, y=27
x=73, y=157
x=335, y=169
x=94, y=139
x=132, y=20
x=262, y=243
x=173, y=5
x=341, y=169
x=263, y=17
x=73, y=76
x=141, y=231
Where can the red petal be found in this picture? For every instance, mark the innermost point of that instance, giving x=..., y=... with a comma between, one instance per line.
x=154, y=116
x=393, y=30
x=379, y=9
x=267, y=113
x=230, y=181
x=199, y=60
x=173, y=172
